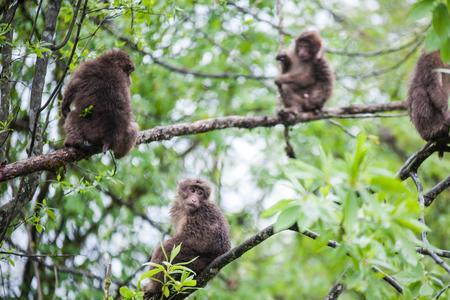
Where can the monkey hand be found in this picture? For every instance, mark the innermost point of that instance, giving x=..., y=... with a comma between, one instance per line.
x=278, y=82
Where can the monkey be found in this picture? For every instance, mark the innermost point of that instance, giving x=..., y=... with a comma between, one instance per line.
x=99, y=91
x=200, y=228
x=427, y=98
x=306, y=79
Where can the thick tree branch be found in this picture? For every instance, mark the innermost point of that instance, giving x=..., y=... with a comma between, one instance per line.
x=63, y=156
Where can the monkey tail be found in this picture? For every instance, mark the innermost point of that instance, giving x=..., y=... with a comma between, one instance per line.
x=441, y=154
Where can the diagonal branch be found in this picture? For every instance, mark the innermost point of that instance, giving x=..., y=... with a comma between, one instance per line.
x=63, y=156
x=436, y=190
x=216, y=265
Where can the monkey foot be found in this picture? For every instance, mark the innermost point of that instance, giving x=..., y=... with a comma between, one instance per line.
x=83, y=146
x=286, y=113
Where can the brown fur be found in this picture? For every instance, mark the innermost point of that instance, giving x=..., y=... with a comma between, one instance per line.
x=201, y=229
x=103, y=83
x=427, y=98
x=306, y=79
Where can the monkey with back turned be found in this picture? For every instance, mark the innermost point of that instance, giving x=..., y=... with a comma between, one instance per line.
x=99, y=92
x=428, y=98
x=200, y=228
x=306, y=79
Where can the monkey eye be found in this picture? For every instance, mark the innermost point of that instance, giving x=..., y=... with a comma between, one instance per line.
x=200, y=192
x=192, y=189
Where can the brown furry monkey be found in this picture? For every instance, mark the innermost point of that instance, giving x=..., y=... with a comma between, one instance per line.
x=99, y=92
x=200, y=228
x=427, y=98
x=306, y=79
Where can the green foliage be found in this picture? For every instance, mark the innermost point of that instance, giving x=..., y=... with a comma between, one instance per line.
x=177, y=278
x=438, y=36
x=87, y=112
x=341, y=187
x=374, y=215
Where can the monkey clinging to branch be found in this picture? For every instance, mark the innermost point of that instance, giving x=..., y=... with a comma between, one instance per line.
x=200, y=228
x=99, y=91
x=427, y=98
x=306, y=79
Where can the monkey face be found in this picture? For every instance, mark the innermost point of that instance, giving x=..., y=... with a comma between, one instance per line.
x=193, y=198
x=305, y=50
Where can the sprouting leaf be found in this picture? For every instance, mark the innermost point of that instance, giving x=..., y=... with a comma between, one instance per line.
x=87, y=112
x=175, y=252
x=166, y=291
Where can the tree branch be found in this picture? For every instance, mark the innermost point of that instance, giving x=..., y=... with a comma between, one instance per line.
x=425, y=241
x=413, y=163
x=216, y=265
x=436, y=190
x=335, y=292
x=63, y=156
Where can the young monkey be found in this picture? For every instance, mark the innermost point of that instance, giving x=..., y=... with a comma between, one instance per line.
x=306, y=79
x=200, y=228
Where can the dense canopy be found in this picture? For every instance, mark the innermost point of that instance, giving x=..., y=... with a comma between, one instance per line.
x=350, y=216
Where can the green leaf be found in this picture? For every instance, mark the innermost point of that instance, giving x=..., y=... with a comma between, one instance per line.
x=150, y=273
x=51, y=214
x=420, y=9
x=166, y=291
x=192, y=282
x=441, y=20
x=39, y=228
x=126, y=292
x=413, y=224
x=432, y=41
x=287, y=218
x=175, y=252
x=350, y=212
x=388, y=184
x=280, y=205
x=426, y=289
x=445, y=51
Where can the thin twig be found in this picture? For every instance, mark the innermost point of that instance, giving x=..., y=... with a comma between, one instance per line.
x=69, y=32
x=441, y=292
x=335, y=292
x=436, y=190
x=425, y=241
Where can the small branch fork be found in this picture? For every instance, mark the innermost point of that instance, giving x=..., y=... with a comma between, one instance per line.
x=414, y=162
x=425, y=241
x=61, y=157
